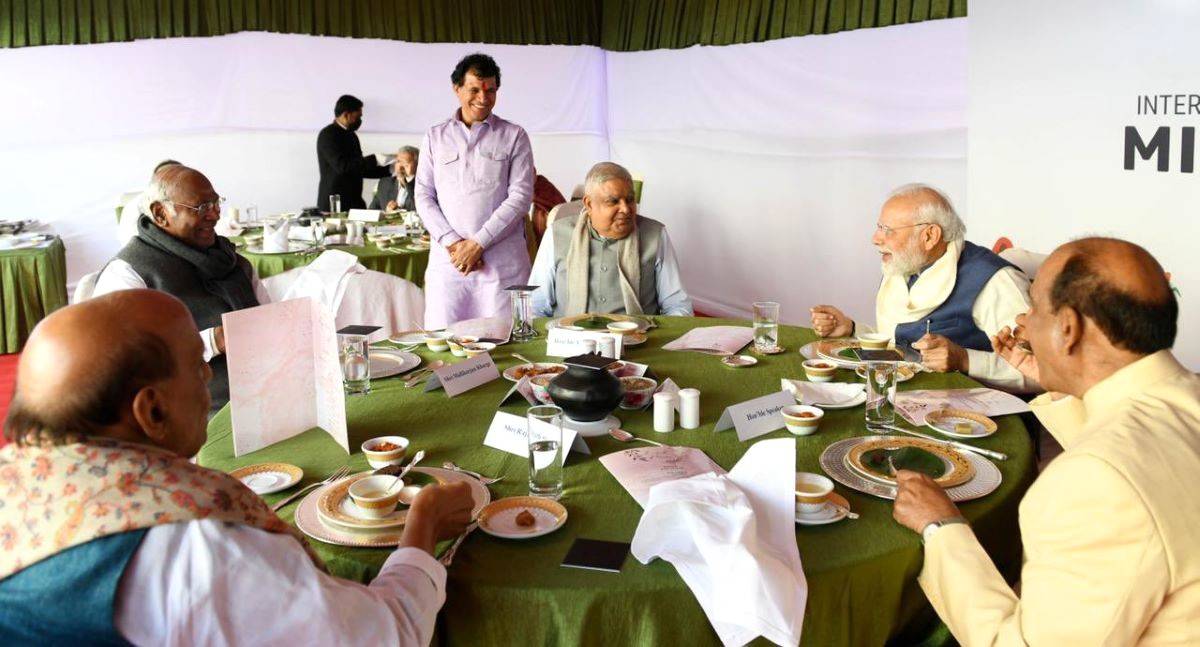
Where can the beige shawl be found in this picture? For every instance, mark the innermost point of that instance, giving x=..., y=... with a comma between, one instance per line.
x=896, y=304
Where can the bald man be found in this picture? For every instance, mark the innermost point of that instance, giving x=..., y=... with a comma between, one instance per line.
x=111, y=535
x=1110, y=527
x=941, y=295
x=177, y=250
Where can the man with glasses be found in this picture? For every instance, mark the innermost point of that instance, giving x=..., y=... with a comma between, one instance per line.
x=941, y=295
x=177, y=250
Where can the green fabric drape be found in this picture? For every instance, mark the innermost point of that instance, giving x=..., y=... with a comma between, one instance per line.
x=33, y=283
x=618, y=25
x=409, y=265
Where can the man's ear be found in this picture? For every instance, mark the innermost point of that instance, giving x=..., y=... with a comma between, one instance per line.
x=158, y=213
x=1069, y=328
x=933, y=236
x=587, y=202
x=149, y=411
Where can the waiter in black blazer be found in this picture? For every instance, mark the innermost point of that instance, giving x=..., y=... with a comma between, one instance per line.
x=340, y=157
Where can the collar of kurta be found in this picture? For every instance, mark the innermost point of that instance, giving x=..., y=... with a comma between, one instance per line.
x=457, y=118
x=1068, y=418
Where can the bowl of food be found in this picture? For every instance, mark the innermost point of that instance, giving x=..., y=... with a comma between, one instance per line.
x=456, y=344
x=819, y=370
x=801, y=419
x=376, y=496
x=478, y=348
x=874, y=340
x=438, y=342
x=385, y=450
x=540, y=385
x=637, y=391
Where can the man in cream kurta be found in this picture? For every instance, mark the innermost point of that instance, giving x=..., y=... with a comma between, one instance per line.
x=1110, y=527
x=940, y=295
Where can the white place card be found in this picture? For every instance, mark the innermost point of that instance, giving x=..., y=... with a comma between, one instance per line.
x=633, y=369
x=284, y=374
x=524, y=388
x=510, y=433
x=756, y=417
x=365, y=215
x=463, y=376
x=561, y=342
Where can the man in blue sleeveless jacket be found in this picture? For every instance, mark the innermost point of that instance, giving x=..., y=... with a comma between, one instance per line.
x=940, y=295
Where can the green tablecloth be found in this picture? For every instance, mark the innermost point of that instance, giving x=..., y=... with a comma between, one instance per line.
x=402, y=263
x=33, y=283
x=861, y=574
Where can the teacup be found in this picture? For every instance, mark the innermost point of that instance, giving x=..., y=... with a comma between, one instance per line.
x=541, y=390
x=874, y=340
x=376, y=496
x=819, y=370
x=623, y=327
x=385, y=450
x=812, y=492
x=801, y=419
x=638, y=391
x=438, y=342
x=478, y=348
x=456, y=344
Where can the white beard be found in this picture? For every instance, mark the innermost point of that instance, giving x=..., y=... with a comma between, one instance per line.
x=905, y=261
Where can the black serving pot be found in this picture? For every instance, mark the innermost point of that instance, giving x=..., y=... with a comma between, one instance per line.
x=586, y=391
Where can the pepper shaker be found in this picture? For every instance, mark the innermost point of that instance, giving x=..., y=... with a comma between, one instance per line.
x=664, y=412
x=689, y=408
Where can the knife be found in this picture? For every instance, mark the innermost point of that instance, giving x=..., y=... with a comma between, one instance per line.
x=955, y=444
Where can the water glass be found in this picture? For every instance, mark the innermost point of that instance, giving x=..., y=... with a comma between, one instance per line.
x=766, y=326
x=335, y=204
x=881, y=392
x=317, y=227
x=544, y=424
x=522, y=312
x=251, y=215
x=356, y=364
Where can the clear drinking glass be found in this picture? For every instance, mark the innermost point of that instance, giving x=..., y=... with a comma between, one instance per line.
x=251, y=215
x=766, y=326
x=335, y=204
x=356, y=364
x=881, y=391
x=317, y=227
x=522, y=311
x=544, y=425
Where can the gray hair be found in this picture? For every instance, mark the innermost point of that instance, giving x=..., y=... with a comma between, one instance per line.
x=603, y=172
x=162, y=184
x=933, y=207
x=411, y=150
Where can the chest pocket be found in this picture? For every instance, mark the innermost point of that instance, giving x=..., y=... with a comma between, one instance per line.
x=449, y=169
x=491, y=168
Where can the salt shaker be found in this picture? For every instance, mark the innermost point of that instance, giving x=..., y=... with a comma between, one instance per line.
x=664, y=412
x=607, y=347
x=689, y=408
x=589, y=346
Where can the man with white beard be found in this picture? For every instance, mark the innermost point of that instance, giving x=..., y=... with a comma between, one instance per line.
x=940, y=295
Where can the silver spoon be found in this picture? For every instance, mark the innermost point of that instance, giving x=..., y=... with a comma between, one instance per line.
x=400, y=477
x=523, y=358
x=625, y=437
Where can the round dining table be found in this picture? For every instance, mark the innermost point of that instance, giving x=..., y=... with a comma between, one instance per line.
x=398, y=261
x=861, y=573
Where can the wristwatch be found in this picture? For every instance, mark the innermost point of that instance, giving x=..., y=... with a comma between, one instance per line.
x=933, y=526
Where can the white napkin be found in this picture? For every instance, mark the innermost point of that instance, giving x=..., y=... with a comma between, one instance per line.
x=733, y=540
x=324, y=280
x=833, y=393
x=227, y=224
x=275, y=235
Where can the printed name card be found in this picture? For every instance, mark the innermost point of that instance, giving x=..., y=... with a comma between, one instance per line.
x=569, y=343
x=365, y=215
x=524, y=388
x=756, y=417
x=463, y=376
x=510, y=433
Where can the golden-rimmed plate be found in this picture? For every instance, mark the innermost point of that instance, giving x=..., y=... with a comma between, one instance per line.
x=838, y=351
x=500, y=518
x=335, y=508
x=958, y=469
x=515, y=373
x=836, y=509
x=268, y=478
x=572, y=321
x=946, y=421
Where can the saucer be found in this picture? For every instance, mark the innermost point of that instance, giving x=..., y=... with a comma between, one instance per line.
x=831, y=513
x=944, y=420
x=499, y=518
x=738, y=361
x=774, y=350
x=267, y=478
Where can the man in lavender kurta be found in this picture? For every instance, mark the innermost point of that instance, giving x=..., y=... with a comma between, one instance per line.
x=473, y=189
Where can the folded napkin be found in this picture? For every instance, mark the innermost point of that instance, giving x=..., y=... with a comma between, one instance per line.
x=833, y=393
x=733, y=540
x=324, y=280
x=227, y=224
x=275, y=235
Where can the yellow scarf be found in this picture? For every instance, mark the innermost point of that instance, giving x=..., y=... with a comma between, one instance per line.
x=896, y=304
x=57, y=497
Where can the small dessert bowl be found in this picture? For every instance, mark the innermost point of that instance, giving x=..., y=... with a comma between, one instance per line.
x=478, y=348
x=376, y=496
x=541, y=384
x=456, y=344
x=385, y=450
x=438, y=342
x=801, y=419
x=819, y=370
x=874, y=340
x=812, y=492
x=638, y=391
x=623, y=327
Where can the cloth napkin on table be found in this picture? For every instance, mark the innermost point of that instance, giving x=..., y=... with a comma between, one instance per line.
x=275, y=235
x=324, y=280
x=832, y=393
x=732, y=539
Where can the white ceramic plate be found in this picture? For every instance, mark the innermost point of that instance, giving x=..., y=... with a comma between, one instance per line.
x=268, y=478
x=510, y=373
x=859, y=399
x=409, y=338
x=831, y=514
x=499, y=519
x=386, y=362
x=739, y=361
x=833, y=461
x=943, y=421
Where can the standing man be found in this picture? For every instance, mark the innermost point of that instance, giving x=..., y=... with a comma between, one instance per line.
x=340, y=157
x=474, y=186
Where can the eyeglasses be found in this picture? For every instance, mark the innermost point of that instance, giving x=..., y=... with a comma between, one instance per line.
x=208, y=208
x=888, y=231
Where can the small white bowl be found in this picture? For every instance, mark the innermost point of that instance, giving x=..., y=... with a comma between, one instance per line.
x=378, y=459
x=623, y=327
x=376, y=496
x=478, y=348
x=874, y=341
x=819, y=370
x=438, y=342
x=812, y=492
x=456, y=344
x=798, y=423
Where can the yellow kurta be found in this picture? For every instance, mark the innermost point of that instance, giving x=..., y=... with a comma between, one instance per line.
x=1111, y=528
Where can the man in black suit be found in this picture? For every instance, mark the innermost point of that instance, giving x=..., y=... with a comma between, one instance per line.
x=399, y=191
x=340, y=157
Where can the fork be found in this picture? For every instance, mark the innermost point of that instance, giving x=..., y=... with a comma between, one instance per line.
x=486, y=480
x=338, y=474
x=448, y=556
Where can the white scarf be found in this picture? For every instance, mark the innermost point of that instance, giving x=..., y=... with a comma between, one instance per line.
x=629, y=268
x=896, y=304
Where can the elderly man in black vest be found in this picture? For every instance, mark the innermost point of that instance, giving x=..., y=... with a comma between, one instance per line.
x=607, y=259
x=941, y=295
x=177, y=250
